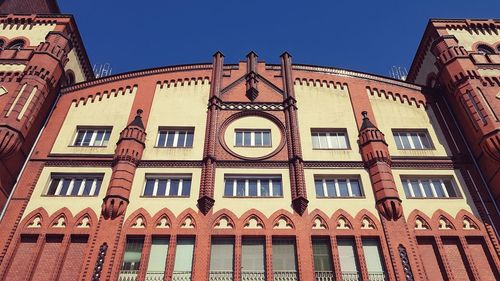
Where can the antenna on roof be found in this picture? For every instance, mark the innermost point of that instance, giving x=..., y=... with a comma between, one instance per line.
x=398, y=72
x=102, y=70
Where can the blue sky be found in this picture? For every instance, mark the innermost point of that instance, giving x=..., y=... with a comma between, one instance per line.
x=368, y=36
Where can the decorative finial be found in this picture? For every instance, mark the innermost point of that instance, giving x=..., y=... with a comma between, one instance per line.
x=139, y=112
x=365, y=114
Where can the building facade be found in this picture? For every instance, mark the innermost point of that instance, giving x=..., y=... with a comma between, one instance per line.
x=247, y=171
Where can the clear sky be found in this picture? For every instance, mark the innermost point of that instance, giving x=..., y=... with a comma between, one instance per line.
x=368, y=36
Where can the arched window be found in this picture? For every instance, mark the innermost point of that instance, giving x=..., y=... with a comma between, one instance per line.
x=16, y=45
x=70, y=78
x=485, y=50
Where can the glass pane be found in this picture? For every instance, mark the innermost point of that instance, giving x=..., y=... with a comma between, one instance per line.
x=158, y=255
x=240, y=187
x=321, y=254
x=170, y=139
x=161, y=139
x=181, y=139
x=449, y=188
x=319, y=188
x=264, y=188
x=106, y=138
x=76, y=186
x=184, y=254
x=355, y=187
x=277, y=187
x=334, y=142
x=342, y=138
x=427, y=187
x=186, y=187
x=406, y=141
x=438, y=188
x=174, y=187
x=267, y=138
x=344, y=191
x=252, y=187
x=372, y=256
x=87, y=138
x=323, y=143
x=315, y=140
x=97, y=186
x=239, y=138
x=65, y=186
x=406, y=187
x=189, y=139
x=221, y=255
x=53, y=186
x=98, y=138
x=88, y=187
x=330, y=188
x=348, y=260
x=399, y=145
x=425, y=141
x=79, y=137
x=252, y=255
x=228, y=189
x=247, y=140
x=132, y=257
x=148, y=189
x=416, y=188
x=258, y=139
x=416, y=141
x=162, y=187
x=284, y=254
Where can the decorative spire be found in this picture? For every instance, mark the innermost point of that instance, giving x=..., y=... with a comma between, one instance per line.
x=366, y=122
x=137, y=122
x=251, y=78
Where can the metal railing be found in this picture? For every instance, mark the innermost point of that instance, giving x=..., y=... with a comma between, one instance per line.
x=285, y=275
x=253, y=275
x=325, y=276
x=351, y=276
x=221, y=275
x=128, y=275
x=376, y=276
x=181, y=276
x=154, y=276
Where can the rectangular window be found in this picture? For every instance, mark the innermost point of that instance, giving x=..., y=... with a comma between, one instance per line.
x=348, y=260
x=429, y=187
x=167, y=185
x=157, y=258
x=253, y=186
x=252, y=137
x=284, y=259
x=74, y=185
x=252, y=259
x=92, y=137
x=337, y=187
x=221, y=259
x=132, y=258
x=329, y=139
x=418, y=139
x=183, y=264
x=373, y=259
x=323, y=268
x=175, y=137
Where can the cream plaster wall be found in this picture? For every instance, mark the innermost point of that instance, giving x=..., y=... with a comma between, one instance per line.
x=75, y=204
x=323, y=107
x=12, y=67
x=489, y=72
x=392, y=114
x=467, y=40
x=175, y=204
x=35, y=33
x=75, y=66
x=239, y=205
x=427, y=67
x=331, y=205
x=178, y=106
x=252, y=122
x=110, y=111
x=429, y=205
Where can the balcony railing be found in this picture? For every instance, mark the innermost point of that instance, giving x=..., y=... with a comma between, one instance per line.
x=221, y=275
x=324, y=276
x=253, y=275
x=376, y=276
x=351, y=276
x=181, y=276
x=128, y=275
x=285, y=275
x=154, y=276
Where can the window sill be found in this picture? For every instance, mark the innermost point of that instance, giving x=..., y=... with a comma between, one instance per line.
x=341, y=197
x=173, y=147
x=445, y=198
x=254, y=197
x=164, y=196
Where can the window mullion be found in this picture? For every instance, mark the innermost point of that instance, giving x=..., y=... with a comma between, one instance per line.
x=92, y=139
x=93, y=187
x=328, y=140
x=235, y=183
x=445, y=191
x=82, y=187
x=271, y=191
x=337, y=188
x=167, y=188
x=422, y=190
x=176, y=139
x=410, y=140
x=59, y=186
x=259, y=193
x=433, y=188
x=246, y=187
x=155, y=187
x=179, y=190
x=349, y=189
x=410, y=188
x=70, y=187
x=325, y=189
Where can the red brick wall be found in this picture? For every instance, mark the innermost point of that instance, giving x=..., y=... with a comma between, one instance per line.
x=428, y=253
x=456, y=260
x=483, y=261
x=46, y=265
x=24, y=256
x=74, y=259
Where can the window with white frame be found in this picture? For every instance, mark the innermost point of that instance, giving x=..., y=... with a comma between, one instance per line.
x=251, y=137
x=74, y=185
x=167, y=185
x=175, y=137
x=429, y=187
x=418, y=139
x=328, y=186
x=253, y=186
x=329, y=139
x=92, y=137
